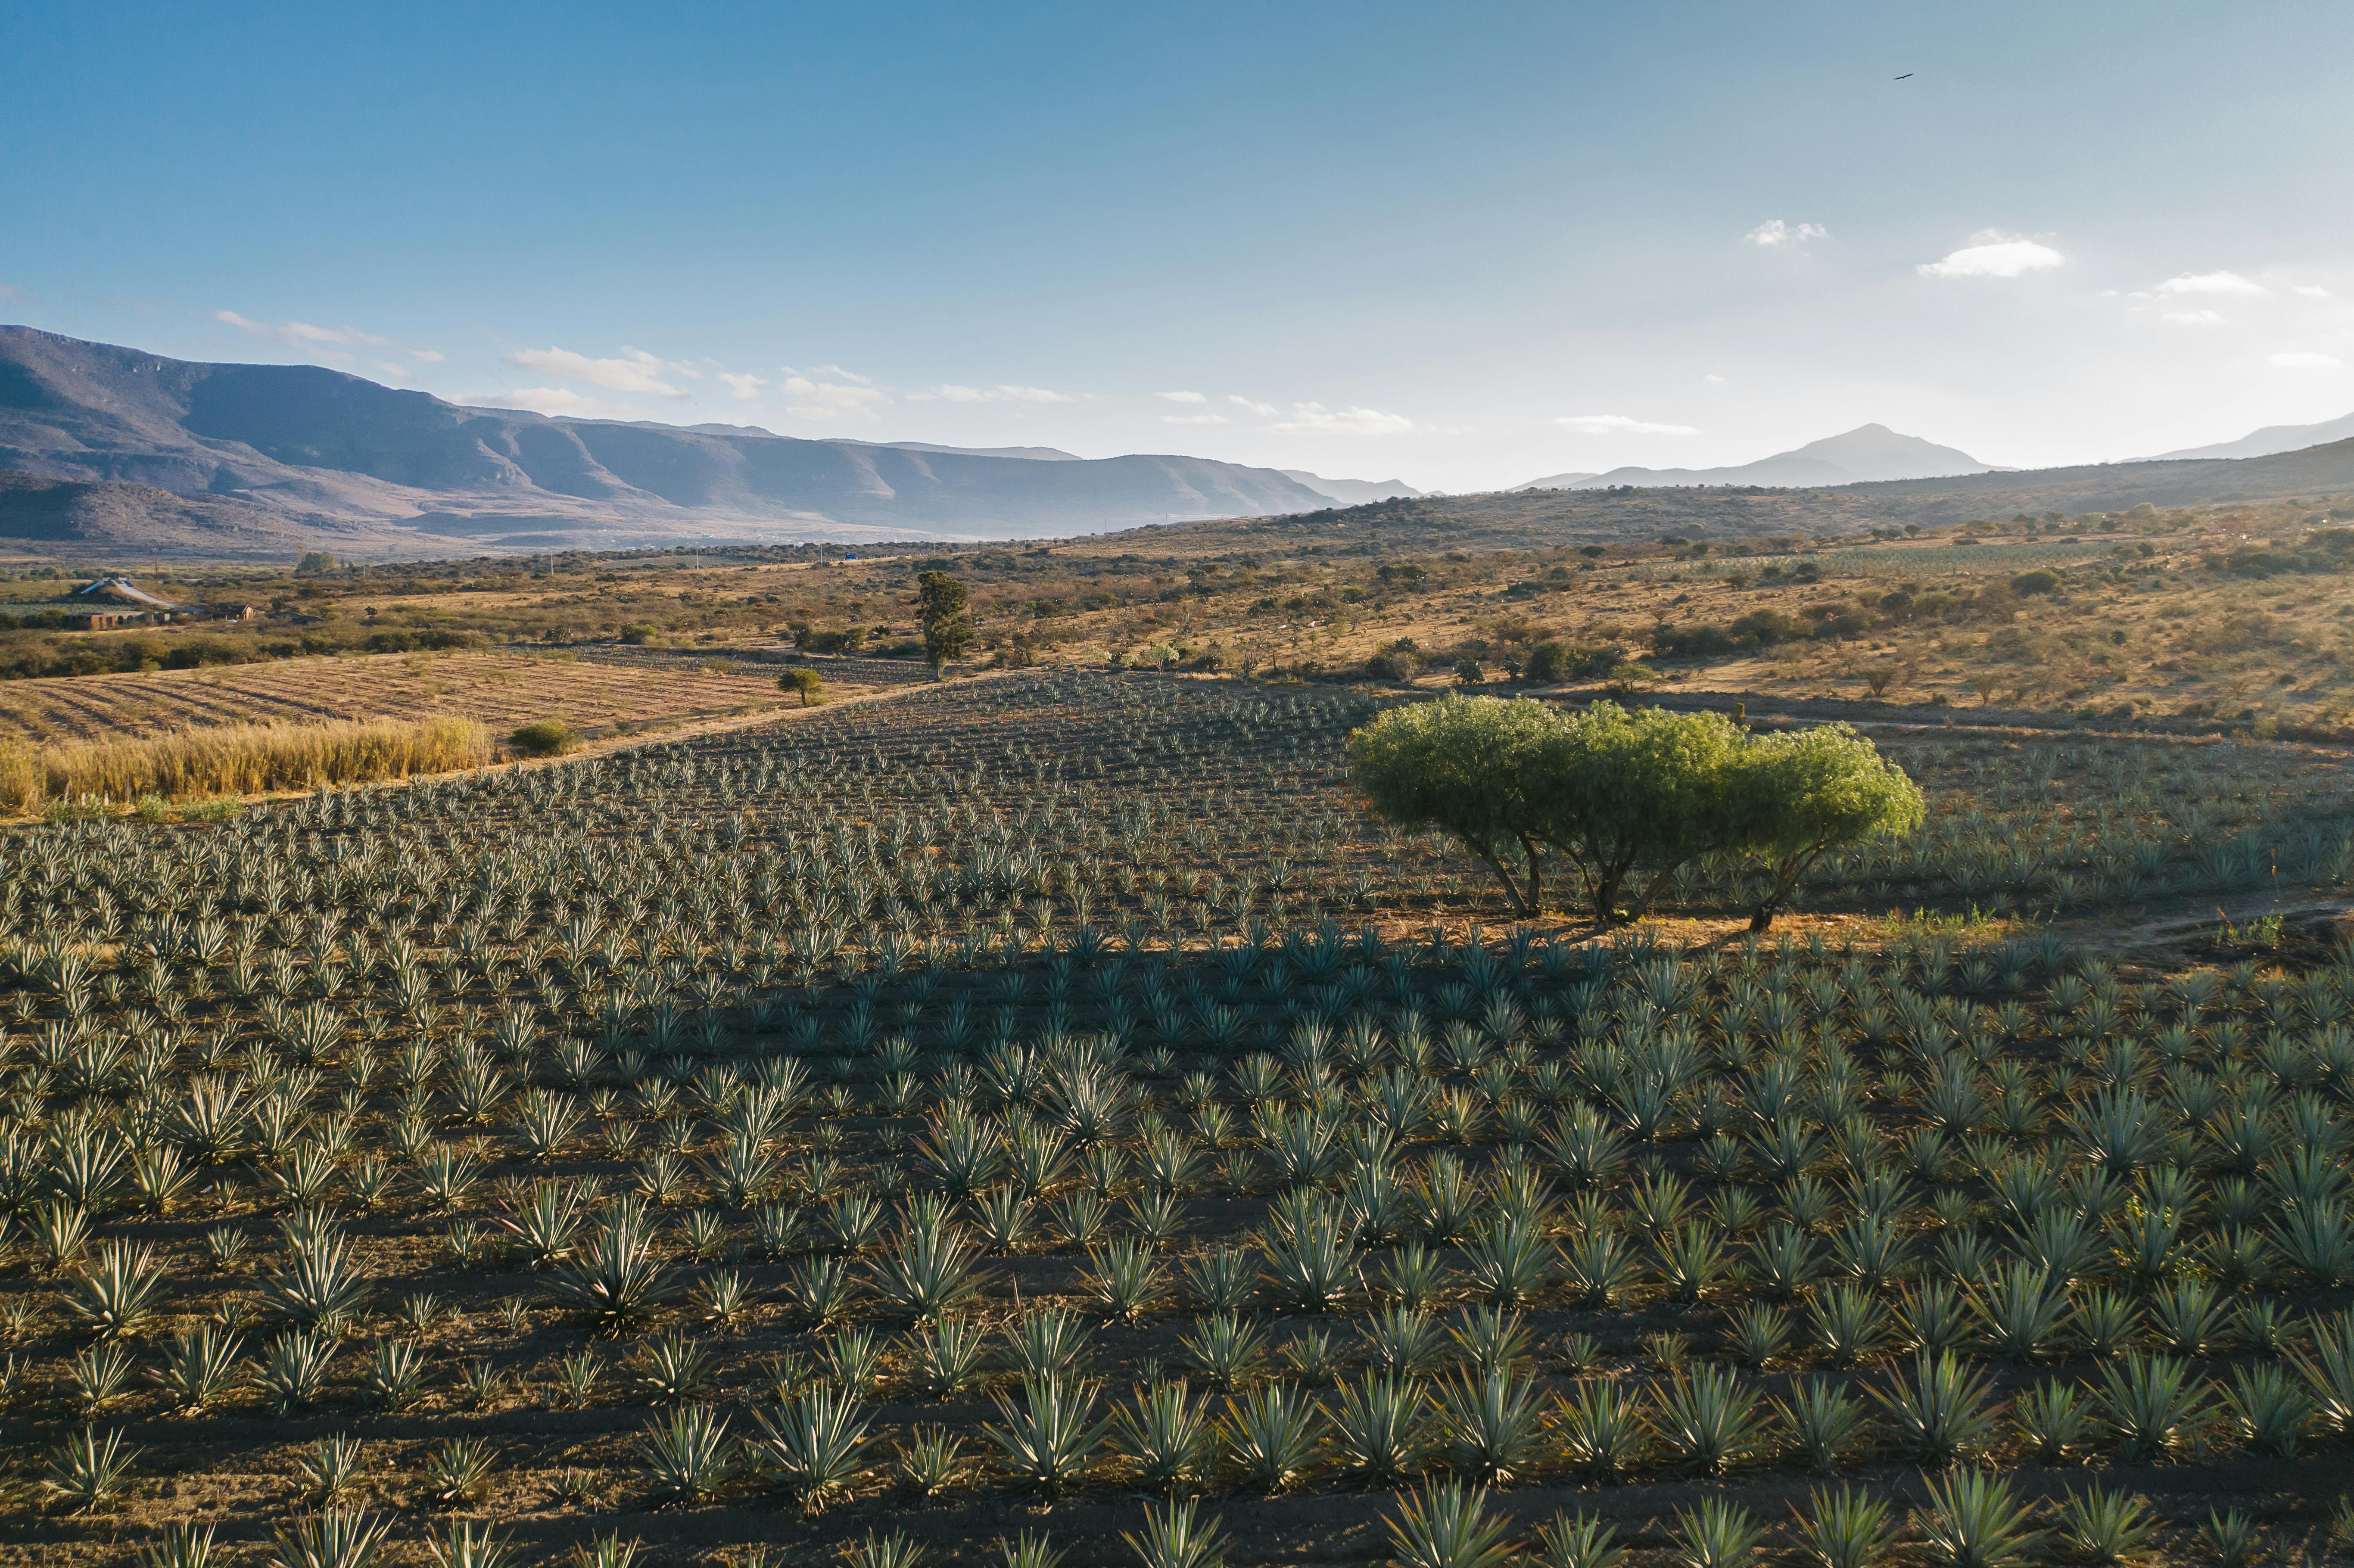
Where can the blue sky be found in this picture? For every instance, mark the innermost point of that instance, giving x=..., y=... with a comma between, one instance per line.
x=1460, y=245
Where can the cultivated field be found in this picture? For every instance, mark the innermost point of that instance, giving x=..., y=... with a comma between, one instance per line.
x=601, y=692
x=1017, y=1107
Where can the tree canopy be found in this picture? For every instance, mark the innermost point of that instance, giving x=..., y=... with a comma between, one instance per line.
x=1795, y=796
x=1627, y=796
x=944, y=608
x=801, y=679
x=1464, y=765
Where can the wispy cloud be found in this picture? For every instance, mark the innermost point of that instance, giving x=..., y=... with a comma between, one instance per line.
x=9, y=291
x=745, y=387
x=998, y=393
x=1775, y=235
x=1182, y=396
x=430, y=356
x=2211, y=283
x=2313, y=291
x=634, y=371
x=2192, y=318
x=1994, y=254
x=1621, y=425
x=1193, y=418
x=317, y=340
x=1264, y=410
x=2304, y=359
x=1316, y=419
x=829, y=392
x=552, y=401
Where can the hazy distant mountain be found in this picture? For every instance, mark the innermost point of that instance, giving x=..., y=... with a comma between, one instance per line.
x=318, y=446
x=1349, y=492
x=1035, y=454
x=2270, y=439
x=1863, y=455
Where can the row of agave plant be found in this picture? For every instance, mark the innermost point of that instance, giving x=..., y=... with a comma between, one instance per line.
x=1181, y=804
x=621, y=1050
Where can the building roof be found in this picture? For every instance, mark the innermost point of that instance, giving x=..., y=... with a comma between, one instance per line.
x=122, y=592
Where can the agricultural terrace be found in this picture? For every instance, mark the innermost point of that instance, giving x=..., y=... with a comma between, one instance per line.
x=602, y=692
x=1024, y=1106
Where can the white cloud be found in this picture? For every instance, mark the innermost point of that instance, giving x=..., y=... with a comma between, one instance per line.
x=315, y=340
x=9, y=291
x=1775, y=235
x=828, y=392
x=745, y=387
x=1712, y=380
x=2211, y=283
x=998, y=393
x=1620, y=425
x=549, y=400
x=1193, y=418
x=2193, y=318
x=1182, y=396
x=391, y=371
x=1993, y=254
x=431, y=356
x=1315, y=419
x=2304, y=359
x=1264, y=410
x=2313, y=291
x=634, y=371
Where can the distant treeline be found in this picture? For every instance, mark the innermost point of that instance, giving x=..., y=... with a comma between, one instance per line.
x=26, y=655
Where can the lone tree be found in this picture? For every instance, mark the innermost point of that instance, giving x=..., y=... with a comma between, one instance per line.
x=1628, y=799
x=1464, y=765
x=1795, y=797
x=943, y=607
x=1625, y=792
x=804, y=681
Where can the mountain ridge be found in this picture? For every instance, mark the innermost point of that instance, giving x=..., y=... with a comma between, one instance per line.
x=301, y=441
x=2269, y=441
x=1867, y=454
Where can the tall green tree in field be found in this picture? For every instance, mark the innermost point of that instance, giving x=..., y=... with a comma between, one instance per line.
x=944, y=608
x=1621, y=794
x=806, y=682
x=1795, y=797
x=1466, y=765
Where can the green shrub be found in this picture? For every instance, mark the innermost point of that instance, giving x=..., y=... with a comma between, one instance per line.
x=546, y=737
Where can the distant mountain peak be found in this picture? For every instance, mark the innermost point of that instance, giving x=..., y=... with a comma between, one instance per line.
x=1863, y=455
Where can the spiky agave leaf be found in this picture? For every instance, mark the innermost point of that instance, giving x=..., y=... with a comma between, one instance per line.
x=2105, y=1527
x=1846, y=1529
x=1381, y=1424
x=1446, y=1525
x=687, y=1454
x=1047, y=1438
x=1719, y=1533
x=1163, y=1434
x=1941, y=1413
x=1972, y=1522
x=810, y=1445
x=1176, y=1536
x=1490, y=1424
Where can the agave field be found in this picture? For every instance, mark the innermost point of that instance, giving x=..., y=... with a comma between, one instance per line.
x=1042, y=1119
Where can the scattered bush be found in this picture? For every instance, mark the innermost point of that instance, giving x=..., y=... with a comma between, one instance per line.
x=545, y=737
